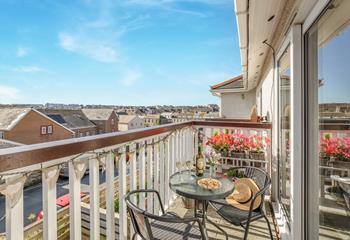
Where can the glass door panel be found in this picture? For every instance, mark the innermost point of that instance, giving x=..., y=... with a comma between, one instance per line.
x=284, y=130
x=328, y=82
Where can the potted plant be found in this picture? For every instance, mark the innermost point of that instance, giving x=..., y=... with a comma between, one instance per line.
x=239, y=146
x=220, y=143
x=335, y=152
x=257, y=147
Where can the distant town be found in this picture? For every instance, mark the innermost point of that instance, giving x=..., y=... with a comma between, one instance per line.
x=36, y=123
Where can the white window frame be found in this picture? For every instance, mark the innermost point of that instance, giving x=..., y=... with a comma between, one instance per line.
x=49, y=129
x=311, y=218
x=43, y=130
x=295, y=229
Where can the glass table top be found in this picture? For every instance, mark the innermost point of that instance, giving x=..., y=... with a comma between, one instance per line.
x=185, y=184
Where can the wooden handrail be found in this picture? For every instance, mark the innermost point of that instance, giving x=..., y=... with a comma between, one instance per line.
x=23, y=156
x=232, y=124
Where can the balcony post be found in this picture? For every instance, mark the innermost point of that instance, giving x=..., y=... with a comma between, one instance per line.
x=110, y=218
x=13, y=191
x=76, y=172
x=94, y=199
x=123, y=220
x=156, y=175
x=49, y=179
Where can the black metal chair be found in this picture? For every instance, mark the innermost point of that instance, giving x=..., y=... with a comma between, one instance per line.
x=240, y=217
x=165, y=226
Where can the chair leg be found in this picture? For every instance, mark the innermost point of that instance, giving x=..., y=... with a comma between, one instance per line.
x=134, y=236
x=268, y=224
x=246, y=231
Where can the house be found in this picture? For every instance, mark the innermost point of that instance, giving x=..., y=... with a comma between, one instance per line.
x=29, y=126
x=75, y=120
x=154, y=120
x=295, y=62
x=235, y=102
x=129, y=122
x=106, y=120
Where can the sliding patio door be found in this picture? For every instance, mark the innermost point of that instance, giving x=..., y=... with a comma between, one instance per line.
x=284, y=102
x=327, y=78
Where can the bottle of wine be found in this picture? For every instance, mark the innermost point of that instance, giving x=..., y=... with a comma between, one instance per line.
x=200, y=163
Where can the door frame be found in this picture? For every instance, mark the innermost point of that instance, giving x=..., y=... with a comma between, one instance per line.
x=292, y=229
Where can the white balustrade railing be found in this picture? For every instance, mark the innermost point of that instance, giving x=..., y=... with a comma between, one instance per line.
x=142, y=163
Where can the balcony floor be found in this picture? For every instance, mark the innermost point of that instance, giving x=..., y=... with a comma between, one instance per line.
x=257, y=231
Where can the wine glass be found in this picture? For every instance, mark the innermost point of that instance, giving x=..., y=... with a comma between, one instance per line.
x=189, y=165
x=178, y=165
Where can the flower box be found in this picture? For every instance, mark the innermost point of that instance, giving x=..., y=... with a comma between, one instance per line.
x=257, y=155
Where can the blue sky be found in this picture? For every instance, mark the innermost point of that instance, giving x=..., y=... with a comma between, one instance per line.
x=127, y=52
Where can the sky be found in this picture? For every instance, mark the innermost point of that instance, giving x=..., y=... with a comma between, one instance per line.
x=334, y=69
x=122, y=52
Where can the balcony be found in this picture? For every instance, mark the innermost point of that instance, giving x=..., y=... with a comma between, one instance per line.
x=143, y=158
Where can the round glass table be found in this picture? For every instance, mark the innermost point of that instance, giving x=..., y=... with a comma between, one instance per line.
x=185, y=184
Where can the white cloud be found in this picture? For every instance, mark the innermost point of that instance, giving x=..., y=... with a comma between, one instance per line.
x=87, y=47
x=8, y=93
x=21, y=52
x=29, y=69
x=130, y=77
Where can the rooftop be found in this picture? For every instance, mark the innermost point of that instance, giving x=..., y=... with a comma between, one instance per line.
x=71, y=119
x=9, y=117
x=98, y=114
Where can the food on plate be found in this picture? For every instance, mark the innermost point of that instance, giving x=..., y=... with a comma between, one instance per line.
x=209, y=183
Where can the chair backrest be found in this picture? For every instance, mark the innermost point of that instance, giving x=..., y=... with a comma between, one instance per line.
x=138, y=216
x=259, y=176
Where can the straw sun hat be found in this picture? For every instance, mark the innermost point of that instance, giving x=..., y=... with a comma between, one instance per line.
x=245, y=189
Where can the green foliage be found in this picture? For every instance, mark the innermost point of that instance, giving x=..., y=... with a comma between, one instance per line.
x=116, y=205
x=235, y=173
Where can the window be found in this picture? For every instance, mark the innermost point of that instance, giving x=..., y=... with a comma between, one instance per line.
x=87, y=133
x=284, y=130
x=43, y=130
x=328, y=123
x=112, y=121
x=1, y=135
x=81, y=134
x=50, y=129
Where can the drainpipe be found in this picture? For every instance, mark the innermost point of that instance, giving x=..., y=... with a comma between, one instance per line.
x=242, y=16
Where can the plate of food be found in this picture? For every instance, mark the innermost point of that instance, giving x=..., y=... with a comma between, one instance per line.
x=209, y=183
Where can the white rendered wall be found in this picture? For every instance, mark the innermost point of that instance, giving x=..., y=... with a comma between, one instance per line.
x=233, y=105
x=267, y=93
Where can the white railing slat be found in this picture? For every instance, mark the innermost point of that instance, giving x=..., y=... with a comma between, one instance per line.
x=49, y=179
x=167, y=169
x=133, y=178
x=156, y=175
x=76, y=172
x=13, y=191
x=110, y=220
x=123, y=220
x=142, y=176
x=150, y=176
x=94, y=199
x=162, y=173
x=133, y=173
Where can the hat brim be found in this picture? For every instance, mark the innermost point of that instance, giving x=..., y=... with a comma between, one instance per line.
x=254, y=189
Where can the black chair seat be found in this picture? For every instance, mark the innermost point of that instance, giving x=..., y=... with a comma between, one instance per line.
x=167, y=230
x=234, y=215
